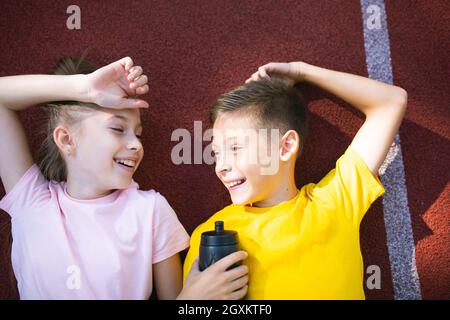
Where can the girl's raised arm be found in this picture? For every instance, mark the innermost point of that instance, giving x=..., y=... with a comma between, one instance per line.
x=17, y=93
x=109, y=86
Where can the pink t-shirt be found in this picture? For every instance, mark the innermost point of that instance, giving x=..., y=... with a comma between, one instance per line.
x=64, y=248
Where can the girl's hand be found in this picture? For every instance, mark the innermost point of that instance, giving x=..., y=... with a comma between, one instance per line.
x=216, y=282
x=114, y=85
x=290, y=73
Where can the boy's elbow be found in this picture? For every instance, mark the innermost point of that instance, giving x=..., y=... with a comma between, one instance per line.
x=395, y=104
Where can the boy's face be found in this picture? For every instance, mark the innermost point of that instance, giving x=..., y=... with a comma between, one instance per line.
x=247, y=162
x=109, y=149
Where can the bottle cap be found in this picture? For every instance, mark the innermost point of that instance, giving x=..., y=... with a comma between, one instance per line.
x=219, y=237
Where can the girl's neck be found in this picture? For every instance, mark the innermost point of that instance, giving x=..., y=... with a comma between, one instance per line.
x=84, y=191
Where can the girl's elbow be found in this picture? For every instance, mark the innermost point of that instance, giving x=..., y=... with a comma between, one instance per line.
x=402, y=97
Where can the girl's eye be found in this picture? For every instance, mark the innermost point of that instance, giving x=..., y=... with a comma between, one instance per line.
x=139, y=136
x=117, y=129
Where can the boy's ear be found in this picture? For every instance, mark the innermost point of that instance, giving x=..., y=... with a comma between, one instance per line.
x=289, y=145
x=64, y=140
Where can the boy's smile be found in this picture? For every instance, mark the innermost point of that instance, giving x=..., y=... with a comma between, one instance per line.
x=235, y=184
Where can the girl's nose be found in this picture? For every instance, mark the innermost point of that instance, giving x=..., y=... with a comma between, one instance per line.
x=135, y=144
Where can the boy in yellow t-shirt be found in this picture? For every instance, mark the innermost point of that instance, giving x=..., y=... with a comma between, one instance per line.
x=301, y=244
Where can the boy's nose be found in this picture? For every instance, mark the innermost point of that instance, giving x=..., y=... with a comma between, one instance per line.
x=222, y=167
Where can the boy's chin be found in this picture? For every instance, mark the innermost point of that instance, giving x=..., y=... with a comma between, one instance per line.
x=241, y=201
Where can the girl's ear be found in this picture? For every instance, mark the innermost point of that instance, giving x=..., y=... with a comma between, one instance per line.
x=289, y=145
x=64, y=140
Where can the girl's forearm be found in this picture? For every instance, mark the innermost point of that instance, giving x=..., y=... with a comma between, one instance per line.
x=19, y=92
x=365, y=94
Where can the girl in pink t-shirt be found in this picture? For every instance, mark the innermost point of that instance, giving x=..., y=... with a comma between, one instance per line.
x=81, y=227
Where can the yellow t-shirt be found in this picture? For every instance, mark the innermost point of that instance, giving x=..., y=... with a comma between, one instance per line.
x=307, y=247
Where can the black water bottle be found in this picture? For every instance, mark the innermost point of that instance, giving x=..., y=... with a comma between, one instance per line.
x=217, y=244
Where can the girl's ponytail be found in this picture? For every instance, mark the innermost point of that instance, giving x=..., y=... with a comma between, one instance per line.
x=51, y=162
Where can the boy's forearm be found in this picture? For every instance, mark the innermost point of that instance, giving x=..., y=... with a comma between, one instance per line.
x=365, y=94
x=19, y=92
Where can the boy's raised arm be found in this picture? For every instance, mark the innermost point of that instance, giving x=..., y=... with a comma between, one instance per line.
x=384, y=105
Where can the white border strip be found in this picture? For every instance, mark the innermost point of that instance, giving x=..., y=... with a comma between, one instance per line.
x=397, y=218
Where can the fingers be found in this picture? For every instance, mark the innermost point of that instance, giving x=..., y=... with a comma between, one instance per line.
x=231, y=284
x=127, y=62
x=262, y=73
x=248, y=80
x=237, y=272
x=254, y=77
x=238, y=294
x=258, y=76
x=238, y=283
x=135, y=72
x=226, y=262
x=142, y=90
x=139, y=82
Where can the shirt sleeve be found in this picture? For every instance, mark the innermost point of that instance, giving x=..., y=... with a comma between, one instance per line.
x=29, y=190
x=169, y=235
x=350, y=188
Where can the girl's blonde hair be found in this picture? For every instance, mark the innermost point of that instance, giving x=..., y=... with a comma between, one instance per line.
x=51, y=161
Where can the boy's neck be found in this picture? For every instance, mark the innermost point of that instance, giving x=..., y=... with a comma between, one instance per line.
x=284, y=193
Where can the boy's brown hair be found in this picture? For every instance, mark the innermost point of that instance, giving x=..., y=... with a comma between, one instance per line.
x=272, y=103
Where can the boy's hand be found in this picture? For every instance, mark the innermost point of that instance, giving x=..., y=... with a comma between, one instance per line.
x=216, y=282
x=290, y=73
x=114, y=85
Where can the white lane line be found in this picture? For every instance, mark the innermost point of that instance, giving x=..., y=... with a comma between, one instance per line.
x=397, y=217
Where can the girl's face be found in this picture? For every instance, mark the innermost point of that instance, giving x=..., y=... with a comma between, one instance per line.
x=108, y=149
